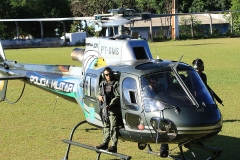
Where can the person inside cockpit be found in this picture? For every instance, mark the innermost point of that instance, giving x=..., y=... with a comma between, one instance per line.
x=153, y=88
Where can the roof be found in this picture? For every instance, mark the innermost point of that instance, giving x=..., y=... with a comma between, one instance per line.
x=165, y=21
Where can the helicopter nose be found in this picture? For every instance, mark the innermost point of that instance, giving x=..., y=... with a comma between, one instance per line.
x=165, y=128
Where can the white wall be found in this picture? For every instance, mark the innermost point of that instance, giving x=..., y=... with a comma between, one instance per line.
x=76, y=37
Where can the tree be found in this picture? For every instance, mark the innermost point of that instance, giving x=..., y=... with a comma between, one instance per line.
x=6, y=28
x=236, y=16
x=83, y=8
x=52, y=9
x=34, y=9
x=206, y=5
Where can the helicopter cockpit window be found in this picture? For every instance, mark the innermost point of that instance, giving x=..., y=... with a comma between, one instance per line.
x=130, y=93
x=162, y=90
x=133, y=121
x=90, y=86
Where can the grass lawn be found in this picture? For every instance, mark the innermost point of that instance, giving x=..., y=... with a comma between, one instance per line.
x=34, y=127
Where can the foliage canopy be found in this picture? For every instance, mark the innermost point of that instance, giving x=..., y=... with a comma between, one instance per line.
x=67, y=8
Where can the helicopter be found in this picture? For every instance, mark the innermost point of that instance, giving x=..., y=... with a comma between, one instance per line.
x=183, y=113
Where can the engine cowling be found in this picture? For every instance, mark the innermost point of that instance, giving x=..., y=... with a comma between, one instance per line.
x=77, y=54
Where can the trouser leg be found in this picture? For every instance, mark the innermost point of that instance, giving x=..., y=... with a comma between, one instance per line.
x=106, y=132
x=114, y=129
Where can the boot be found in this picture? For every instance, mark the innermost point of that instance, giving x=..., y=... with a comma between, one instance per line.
x=164, y=150
x=112, y=149
x=103, y=146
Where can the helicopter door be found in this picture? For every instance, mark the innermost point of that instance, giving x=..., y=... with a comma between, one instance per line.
x=91, y=104
x=130, y=106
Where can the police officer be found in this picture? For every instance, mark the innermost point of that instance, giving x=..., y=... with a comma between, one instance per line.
x=109, y=95
x=198, y=65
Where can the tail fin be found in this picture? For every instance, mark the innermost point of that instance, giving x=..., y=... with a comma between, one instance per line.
x=3, y=83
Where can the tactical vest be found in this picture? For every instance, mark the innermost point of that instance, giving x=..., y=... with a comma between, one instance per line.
x=107, y=90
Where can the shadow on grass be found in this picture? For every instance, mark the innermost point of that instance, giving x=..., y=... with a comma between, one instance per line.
x=231, y=120
x=229, y=145
x=91, y=129
x=199, y=44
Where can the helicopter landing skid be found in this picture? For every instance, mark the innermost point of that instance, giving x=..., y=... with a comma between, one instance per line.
x=215, y=151
x=99, y=151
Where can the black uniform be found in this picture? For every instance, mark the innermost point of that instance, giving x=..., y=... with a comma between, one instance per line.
x=203, y=77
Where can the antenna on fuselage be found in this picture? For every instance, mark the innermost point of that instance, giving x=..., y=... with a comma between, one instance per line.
x=156, y=50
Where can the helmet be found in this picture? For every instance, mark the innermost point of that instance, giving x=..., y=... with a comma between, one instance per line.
x=198, y=64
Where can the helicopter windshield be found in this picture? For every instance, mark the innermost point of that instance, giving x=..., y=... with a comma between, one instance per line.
x=161, y=90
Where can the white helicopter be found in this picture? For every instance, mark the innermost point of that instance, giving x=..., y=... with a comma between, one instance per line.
x=184, y=113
